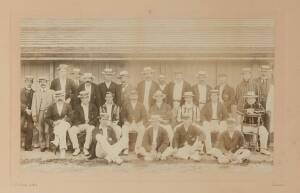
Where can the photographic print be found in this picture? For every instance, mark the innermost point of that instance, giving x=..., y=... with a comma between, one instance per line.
x=183, y=95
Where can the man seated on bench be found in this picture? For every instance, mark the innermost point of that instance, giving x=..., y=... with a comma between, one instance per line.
x=188, y=140
x=230, y=145
x=135, y=117
x=113, y=111
x=156, y=144
x=104, y=141
x=252, y=120
x=58, y=117
x=85, y=118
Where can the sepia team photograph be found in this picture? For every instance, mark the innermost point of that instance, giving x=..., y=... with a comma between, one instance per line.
x=147, y=95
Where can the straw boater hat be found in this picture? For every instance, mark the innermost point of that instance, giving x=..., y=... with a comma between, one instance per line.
x=265, y=68
x=75, y=70
x=246, y=70
x=59, y=93
x=230, y=121
x=162, y=76
x=159, y=94
x=43, y=78
x=123, y=74
x=185, y=116
x=147, y=69
x=202, y=73
x=188, y=94
x=154, y=118
x=133, y=94
x=83, y=94
x=88, y=75
x=108, y=71
x=63, y=67
x=29, y=78
x=250, y=94
x=214, y=91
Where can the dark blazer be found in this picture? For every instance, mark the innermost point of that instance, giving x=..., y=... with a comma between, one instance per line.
x=227, y=144
x=138, y=114
x=70, y=87
x=95, y=98
x=52, y=114
x=26, y=100
x=141, y=91
x=78, y=115
x=170, y=90
x=115, y=112
x=196, y=93
x=206, y=112
x=113, y=88
x=162, y=140
x=228, y=96
x=181, y=136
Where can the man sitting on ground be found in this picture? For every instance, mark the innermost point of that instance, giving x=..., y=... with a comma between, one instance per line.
x=230, y=145
x=188, y=140
x=156, y=143
x=104, y=141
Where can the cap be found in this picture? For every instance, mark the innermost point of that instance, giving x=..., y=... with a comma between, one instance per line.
x=159, y=93
x=43, y=78
x=63, y=67
x=188, y=94
x=83, y=94
x=59, y=93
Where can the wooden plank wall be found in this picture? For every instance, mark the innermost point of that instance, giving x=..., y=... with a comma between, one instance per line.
x=189, y=68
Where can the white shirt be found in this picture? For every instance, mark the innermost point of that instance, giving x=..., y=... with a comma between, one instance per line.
x=221, y=92
x=107, y=84
x=109, y=109
x=202, y=93
x=155, y=133
x=85, y=112
x=177, y=92
x=133, y=104
x=162, y=86
x=147, y=93
x=59, y=108
x=63, y=84
x=214, y=111
x=89, y=89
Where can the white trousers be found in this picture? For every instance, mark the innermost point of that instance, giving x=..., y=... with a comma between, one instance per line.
x=187, y=151
x=74, y=130
x=105, y=149
x=240, y=154
x=212, y=126
x=168, y=152
x=60, y=132
x=139, y=128
x=262, y=132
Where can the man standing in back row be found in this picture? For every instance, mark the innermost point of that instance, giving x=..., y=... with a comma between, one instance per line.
x=63, y=83
x=147, y=88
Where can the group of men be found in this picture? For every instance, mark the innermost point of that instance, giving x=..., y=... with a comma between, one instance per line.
x=169, y=119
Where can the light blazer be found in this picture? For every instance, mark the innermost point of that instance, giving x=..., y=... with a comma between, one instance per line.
x=37, y=99
x=206, y=112
x=115, y=112
x=162, y=140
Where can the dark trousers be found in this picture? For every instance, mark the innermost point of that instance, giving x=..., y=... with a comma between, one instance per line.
x=27, y=130
x=93, y=145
